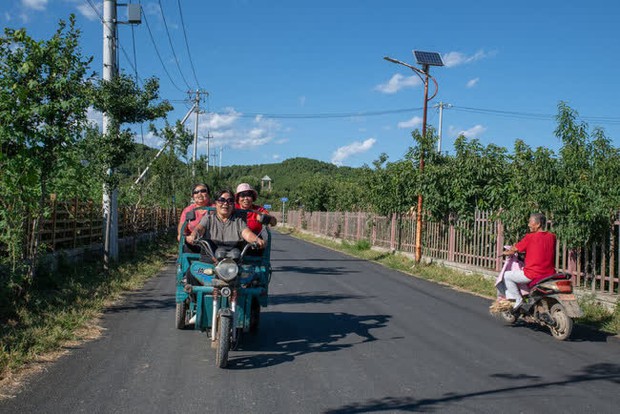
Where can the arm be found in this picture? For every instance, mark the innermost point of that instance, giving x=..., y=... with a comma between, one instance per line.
x=249, y=236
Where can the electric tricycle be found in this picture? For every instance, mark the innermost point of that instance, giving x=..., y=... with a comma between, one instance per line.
x=231, y=288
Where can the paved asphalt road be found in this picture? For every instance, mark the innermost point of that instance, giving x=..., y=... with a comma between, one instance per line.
x=340, y=336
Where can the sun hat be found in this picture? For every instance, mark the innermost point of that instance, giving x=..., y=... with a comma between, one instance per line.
x=246, y=187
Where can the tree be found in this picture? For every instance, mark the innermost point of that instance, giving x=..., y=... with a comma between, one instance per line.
x=123, y=101
x=44, y=91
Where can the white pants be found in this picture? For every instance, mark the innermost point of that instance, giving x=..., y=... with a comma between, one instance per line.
x=510, y=288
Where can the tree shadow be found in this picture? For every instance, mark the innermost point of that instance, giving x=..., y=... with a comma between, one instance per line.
x=143, y=301
x=312, y=270
x=313, y=297
x=597, y=372
x=285, y=336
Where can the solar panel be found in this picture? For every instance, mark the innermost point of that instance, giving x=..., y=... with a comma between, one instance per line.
x=428, y=58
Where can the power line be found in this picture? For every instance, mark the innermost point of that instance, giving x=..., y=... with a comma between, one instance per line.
x=161, y=9
x=157, y=51
x=187, y=44
x=326, y=115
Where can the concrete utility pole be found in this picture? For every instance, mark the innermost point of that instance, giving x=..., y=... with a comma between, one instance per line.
x=110, y=198
x=208, y=149
x=110, y=70
x=197, y=109
x=441, y=105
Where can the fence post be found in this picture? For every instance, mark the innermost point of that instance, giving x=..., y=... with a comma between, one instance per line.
x=75, y=212
x=451, y=240
x=499, y=245
x=53, y=197
x=393, y=233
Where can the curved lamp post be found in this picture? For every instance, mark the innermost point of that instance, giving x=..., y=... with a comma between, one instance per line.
x=426, y=59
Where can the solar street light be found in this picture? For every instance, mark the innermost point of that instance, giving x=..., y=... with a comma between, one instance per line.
x=426, y=59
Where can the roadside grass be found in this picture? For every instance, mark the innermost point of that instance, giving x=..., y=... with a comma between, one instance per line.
x=595, y=314
x=63, y=306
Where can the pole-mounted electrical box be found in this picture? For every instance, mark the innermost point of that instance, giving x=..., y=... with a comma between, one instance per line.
x=134, y=15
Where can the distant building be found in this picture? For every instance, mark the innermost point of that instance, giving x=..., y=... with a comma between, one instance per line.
x=265, y=182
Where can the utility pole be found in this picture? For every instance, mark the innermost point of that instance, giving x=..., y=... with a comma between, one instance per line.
x=197, y=109
x=221, y=149
x=110, y=70
x=208, y=149
x=441, y=105
x=110, y=198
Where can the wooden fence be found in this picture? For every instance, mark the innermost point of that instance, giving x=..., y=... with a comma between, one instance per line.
x=476, y=244
x=77, y=223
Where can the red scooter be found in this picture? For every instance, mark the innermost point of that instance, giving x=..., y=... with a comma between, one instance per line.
x=550, y=302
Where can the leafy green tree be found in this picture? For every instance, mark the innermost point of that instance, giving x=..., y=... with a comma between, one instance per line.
x=589, y=172
x=44, y=92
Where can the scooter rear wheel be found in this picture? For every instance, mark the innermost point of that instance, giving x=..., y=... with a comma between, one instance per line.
x=563, y=323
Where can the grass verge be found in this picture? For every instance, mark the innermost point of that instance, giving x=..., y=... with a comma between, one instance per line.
x=62, y=307
x=596, y=315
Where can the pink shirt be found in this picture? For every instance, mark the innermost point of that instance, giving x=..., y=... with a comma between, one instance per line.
x=192, y=224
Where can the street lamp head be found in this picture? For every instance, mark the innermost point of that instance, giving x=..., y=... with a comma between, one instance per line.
x=389, y=59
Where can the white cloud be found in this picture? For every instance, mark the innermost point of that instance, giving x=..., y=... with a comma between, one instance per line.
x=7, y=16
x=452, y=59
x=218, y=121
x=414, y=122
x=88, y=12
x=35, y=4
x=230, y=129
x=398, y=82
x=276, y=156
x=472, y=82
x=356, y=147
x=302, y=100
x=473, y=132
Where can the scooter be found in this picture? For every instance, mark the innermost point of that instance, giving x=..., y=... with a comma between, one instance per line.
x=550, y=302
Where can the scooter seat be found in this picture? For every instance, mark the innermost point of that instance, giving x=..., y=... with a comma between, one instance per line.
x=555, y=276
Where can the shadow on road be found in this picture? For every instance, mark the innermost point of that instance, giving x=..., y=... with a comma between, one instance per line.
x=312, y=297
x=143, y=301
x=581, y=333
x=596, y=372
x=284, y=336
x=315, y=270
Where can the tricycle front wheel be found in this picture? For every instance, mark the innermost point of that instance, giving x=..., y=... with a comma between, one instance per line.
x=223, y=342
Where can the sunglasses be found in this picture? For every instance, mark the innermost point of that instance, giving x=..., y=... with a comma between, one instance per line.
x=223, y=200
x=203, y=191
x=246, y=194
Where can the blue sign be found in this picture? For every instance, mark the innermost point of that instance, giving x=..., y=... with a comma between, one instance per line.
x=267, y=206
x=284, y=199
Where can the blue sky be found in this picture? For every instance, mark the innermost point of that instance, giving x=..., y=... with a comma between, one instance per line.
x=307, y=79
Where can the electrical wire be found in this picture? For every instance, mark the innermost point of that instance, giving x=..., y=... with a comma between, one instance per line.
x=191, y=62
x=157, y=51
x=176, y=60
x=327, y=115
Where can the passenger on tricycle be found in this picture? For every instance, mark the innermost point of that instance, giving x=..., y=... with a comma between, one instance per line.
x=221, y=290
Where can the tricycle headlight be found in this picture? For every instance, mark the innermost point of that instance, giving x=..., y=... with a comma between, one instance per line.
x=227, y=270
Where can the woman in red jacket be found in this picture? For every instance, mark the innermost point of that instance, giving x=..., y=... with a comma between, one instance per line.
x=245, y=196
